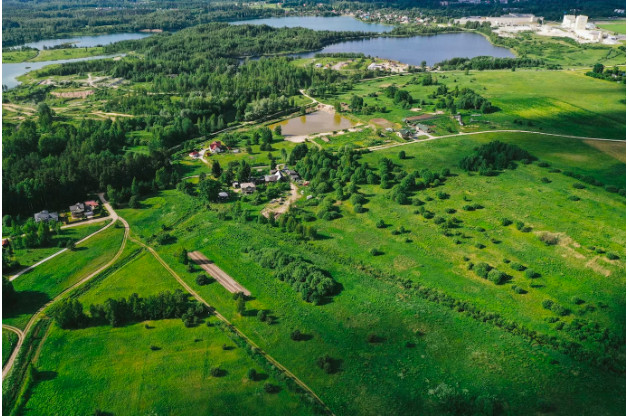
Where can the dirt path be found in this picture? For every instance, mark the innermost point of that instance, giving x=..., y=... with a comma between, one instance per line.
x=232, y=327
x=87, y=222
x=31, y=322
x=388, y=146
x=213, y=270
x=20, y=340
x=27, y=269
x=294, y=196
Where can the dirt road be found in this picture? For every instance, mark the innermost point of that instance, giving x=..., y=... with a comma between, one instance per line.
x=213, y=270
x=277, y=210
x=31, y=322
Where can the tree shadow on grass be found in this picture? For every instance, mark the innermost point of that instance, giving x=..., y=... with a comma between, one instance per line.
x=26, y=302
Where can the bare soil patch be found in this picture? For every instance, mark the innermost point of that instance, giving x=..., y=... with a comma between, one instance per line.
x=213, y=270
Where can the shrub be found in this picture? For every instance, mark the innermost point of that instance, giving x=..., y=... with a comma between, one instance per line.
x=517, y=266
x=468, y=207
x=270, y=388
x=252, y=374
x=442, y=195
x=450, y=211
x=482, y=270
x=531, y=274
x=543, y=165
x=548, y=238
x=545, y=180
x=358, y=208
x=374, y=338
x=547, y=304
x=612, y=256
x=518, y=290
x=576, y=300
x=327, y=363
x=573, y=198
x=216, y=372
x=578, y=186
x=375, y=252
x=560, y=310
x=470, y=266
x=439, y=220
x=480, y=229
x=380, y=224
x=506, y=261
x=480, y=246
x=505, y=222
x=478, y=206
x=262, y=315
x=519, y=225
x=497, y=277
x=202, y=279
x=296, y=335
x=611, y=188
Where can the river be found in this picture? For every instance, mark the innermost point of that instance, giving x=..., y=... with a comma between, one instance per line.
x=319, y=23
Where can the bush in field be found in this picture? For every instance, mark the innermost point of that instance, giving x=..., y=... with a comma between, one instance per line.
x=578, y=186
x=375, y=252
x=547, y=304
x=217, y=372
x=252, y=374
x=548, y=238
x=482, y=270
x=612, y=256
x=497, y=277
x=573, y=198
x=531, y=274
x=576, y=300
x=380, y=224
x=545, y=180
x=203, y=279
x=517, y=266
x=262, y=315
x=296, y=335
x=328, y=364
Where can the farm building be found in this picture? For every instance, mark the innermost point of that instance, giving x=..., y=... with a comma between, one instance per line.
x=216, y=147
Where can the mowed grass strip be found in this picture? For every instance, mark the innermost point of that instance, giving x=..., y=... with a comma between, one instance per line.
x=42, y=284
x=114, y=369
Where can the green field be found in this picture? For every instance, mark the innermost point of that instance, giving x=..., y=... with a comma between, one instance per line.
x=563, y=102
x=29, y=256
x=9, y=340
x=114, y=370
x=450, y=347
x=50, y=55
x=42, y=284
x=617, y=26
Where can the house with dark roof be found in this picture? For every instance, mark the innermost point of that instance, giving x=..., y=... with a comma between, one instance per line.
x=45, y=216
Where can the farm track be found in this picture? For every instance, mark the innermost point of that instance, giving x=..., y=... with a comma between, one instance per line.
x=213, y=270
x=232, y=327
x=27, y=269
x=21, y=334
x=7, y=368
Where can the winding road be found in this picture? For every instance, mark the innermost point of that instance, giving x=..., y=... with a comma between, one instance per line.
x=7, y=368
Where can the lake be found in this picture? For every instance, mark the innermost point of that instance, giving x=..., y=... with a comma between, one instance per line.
x=319, y=23
x=86, y=41
x=429, y=48
x=11, y=71
x=316, y=122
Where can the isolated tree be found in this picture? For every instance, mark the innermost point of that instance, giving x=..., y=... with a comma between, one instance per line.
x=240, y=304
x=216, y=169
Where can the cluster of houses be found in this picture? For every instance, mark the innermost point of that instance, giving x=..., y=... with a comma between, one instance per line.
x=277, y=175
x=77, y=211
x=215, y=147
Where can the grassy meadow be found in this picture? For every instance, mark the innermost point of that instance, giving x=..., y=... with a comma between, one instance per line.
x=444, y=346
x=29, y=256
x=114, y=369
x=562, y=102
x=40, y=285
x=618, y=26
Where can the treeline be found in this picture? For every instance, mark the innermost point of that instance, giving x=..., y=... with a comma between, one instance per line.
x=488, y=63
x=311, y=282
x=29, y=21
x=614, y=74
x=50, y=165
x=464, y=98
x=494, y=156
x=69, y=314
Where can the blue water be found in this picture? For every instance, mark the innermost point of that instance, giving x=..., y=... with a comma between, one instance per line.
x=320, y=23
x=86, y=41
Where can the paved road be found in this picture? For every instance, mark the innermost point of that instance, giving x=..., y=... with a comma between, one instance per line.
x=7, y=368
x=20, y=339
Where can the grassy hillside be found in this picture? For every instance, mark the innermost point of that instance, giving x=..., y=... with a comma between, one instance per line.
x=422, y=344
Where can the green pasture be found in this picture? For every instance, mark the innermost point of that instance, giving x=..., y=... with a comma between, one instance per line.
x=114, y=369
x=29, y=256
x=37, y=287
x=615, y=26
x=389, y=377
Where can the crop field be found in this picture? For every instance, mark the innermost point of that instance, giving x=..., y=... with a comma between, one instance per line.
x=115, y=371
x=449, y=348
x=29, y=256
x=563, y=102
x=9, y=340
x=39, y=286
